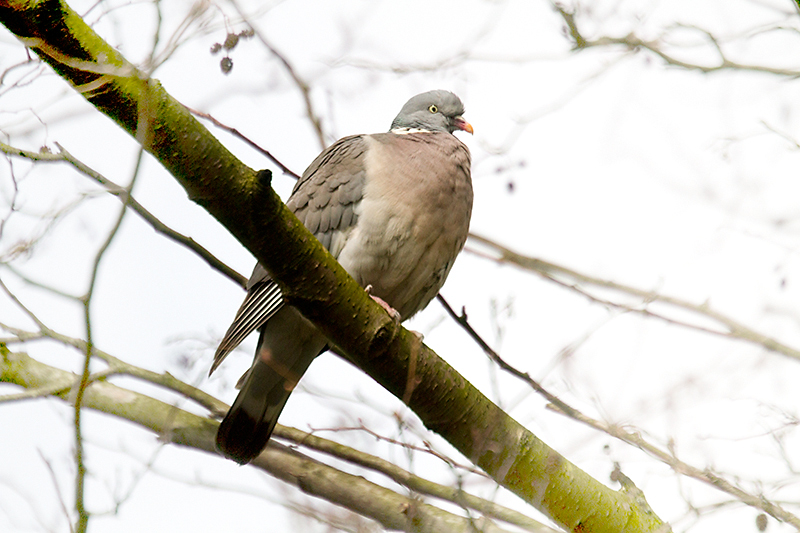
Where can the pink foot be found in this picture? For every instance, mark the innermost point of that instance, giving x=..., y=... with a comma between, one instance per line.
x=388, y=308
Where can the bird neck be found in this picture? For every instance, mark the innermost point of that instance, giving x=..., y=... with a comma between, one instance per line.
x=406, y=130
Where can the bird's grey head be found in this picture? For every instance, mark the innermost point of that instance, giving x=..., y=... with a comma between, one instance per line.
x=433, y=111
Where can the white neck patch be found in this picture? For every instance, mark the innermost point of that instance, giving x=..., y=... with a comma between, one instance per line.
x=404, y=131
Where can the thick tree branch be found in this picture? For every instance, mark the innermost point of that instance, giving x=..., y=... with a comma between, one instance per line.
x=301, y=438
x=390, y=509
x=312, y=280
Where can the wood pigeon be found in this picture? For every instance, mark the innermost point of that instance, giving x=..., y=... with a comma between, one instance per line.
x=394, y=209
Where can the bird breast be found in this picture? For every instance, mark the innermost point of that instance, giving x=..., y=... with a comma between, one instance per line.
x=413, y=218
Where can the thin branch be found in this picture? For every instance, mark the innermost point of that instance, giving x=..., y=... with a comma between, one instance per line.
x=782, y=134
x=392, y=510
x=64, y=156
x=239, y=135
x=410, y=447
x=80, y=464
x=57, y=488
x=407, y=479
x=305, y=90
x=524, y=376
x=37, y=393
x=128, y=200
x=34, y=283
x=708, y=477
x=42, y=327
x=635, y=439
x=574, y=279
x=634, y=44
x=119, y=367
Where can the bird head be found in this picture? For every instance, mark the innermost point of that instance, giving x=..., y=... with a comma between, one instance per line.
x=433, y=111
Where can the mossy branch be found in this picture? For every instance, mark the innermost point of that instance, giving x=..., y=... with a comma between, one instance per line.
x=243, y=201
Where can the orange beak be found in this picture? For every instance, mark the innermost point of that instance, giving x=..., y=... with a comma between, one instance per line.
x=463, y=125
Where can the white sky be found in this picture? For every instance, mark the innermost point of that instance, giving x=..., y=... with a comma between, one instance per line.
x=623, y=168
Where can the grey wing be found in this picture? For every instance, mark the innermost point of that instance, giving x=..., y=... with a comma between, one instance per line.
x=325, y=199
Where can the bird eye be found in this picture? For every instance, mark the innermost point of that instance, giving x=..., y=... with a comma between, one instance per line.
x=433, y=108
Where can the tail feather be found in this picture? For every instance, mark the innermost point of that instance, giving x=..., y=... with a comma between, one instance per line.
x=247, y=427
x=287, y=345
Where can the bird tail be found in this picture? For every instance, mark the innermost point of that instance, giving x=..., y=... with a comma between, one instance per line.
x=287, y=345
x=246, y=428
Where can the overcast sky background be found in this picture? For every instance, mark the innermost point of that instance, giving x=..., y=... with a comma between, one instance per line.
x=604, y=161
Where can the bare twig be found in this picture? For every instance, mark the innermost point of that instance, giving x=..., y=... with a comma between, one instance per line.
x=573, y=280
x=24, y=309
x=125, y=197
x=635, y=439
x=80, y=464
x=350, y=491
x=38, y=284
x=119, y=367
x=427, y=449
x=524, y=376
x=37, y=393
x=708, y=477
x=57, y=488
x=239, y=135
x=634, y=44
x=409, y=480
x=305, y=90
x=782, y=134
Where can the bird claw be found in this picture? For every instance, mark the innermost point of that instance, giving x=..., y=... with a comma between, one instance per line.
x=388, y=308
